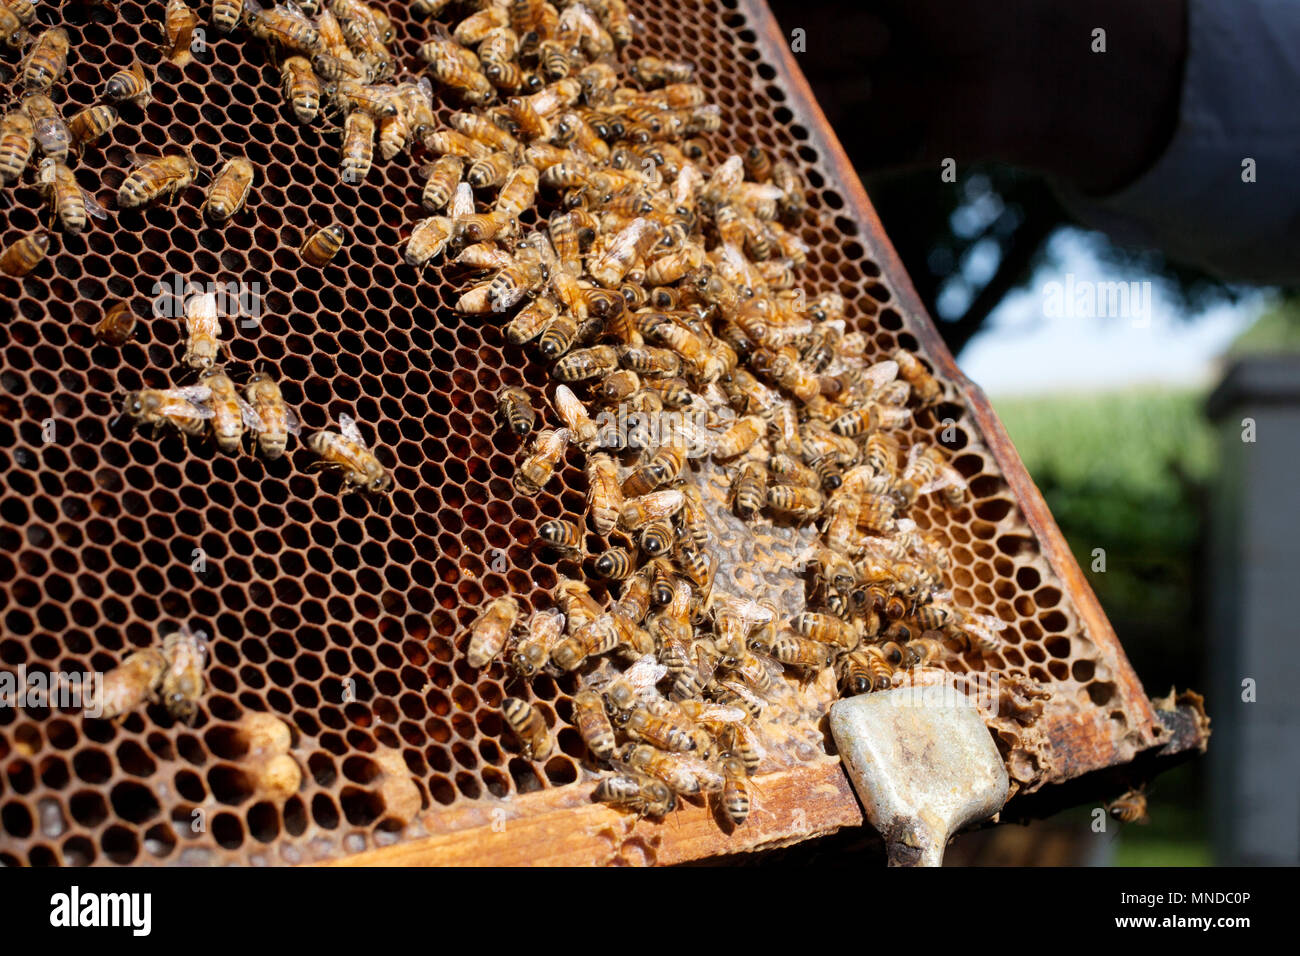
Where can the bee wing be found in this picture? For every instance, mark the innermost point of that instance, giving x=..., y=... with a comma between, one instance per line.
x=47, y=127
x=721, y=714
x=291, y=422
x=252, y=420
x=139, y=159
x=645, y=673
x=774, y=670
x=986, y=625
x=741, y=689
x=92, y=206
x=195, y=394
x=348, y=428
x=882, y=373
x=546, y=626
x=462, y=204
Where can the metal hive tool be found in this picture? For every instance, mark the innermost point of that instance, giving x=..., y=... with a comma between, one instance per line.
x=346, y=616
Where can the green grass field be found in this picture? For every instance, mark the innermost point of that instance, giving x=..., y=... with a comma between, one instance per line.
x=1127, y=472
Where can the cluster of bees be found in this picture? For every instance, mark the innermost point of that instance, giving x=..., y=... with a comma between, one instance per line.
x=664, y=294
x=39, y=123
x=214, y=402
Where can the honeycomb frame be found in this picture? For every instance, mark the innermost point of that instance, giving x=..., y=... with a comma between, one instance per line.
x=307, y=591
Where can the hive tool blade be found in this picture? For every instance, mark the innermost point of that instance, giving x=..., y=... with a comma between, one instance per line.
x=923, y=764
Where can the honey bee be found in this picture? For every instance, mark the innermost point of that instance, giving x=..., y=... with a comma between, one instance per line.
x=694, y=518
x=230, y=413
x=574, y=599
x=179, y=23
x=646, y=796
x=1129, y=807
x=796, y=501
x=594, y=362
x=443, y=178
x=346, y=450
x=661, y=468
x=793, y=199
x=319, y=248
x=736, y=798
x=226, y=15
x=682, y=773
x=458, y=68
x=301, y=87
x=285, y=28
x=545, y=628
x=564, y=536
x=69, y=203
x=516, y=410
x=671, y=733
x=593, y=724
x=132, y=682
x=604, y=496
x=657, y=538
x=203, y=331
x=529, y=726
x=547, y=452
x=531, y=320
x=749, y=488
x=490, y=632
x=739, y=437
x=183, y=408
x=649, y=361
x=46, y=61
x=51, y=131
x=182, y=681
x=155, y=177
x=857, y=421
x=827, y=629
x=429, y=239
x=653, y=71
x=25, y=254
x=922, y=651
x=793, y=471
x=12, y=31
x=275, y=420
x=633, y=687
x=90, y=124
x=130, y=86
x=518, y=192
x=229, y=190
x=600, y=635
x=615, y=564
x=358, y=146
x=864, y=671
x=806, y=655
x=927, y=389
x=575, y=416
x=490, y=170
x=17, y=143
x=636, y=513
x=624, y=249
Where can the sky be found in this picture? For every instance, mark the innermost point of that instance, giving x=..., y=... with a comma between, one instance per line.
x=1048, y=338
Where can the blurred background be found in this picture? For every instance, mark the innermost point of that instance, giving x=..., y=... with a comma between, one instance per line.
x=1134, y=430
